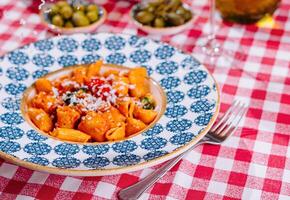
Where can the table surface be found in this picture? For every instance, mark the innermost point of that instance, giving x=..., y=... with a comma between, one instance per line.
x=253, y=164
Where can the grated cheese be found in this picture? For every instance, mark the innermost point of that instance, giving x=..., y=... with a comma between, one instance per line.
x=70, y=83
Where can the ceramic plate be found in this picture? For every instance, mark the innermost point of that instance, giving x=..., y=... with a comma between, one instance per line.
x=191, y=108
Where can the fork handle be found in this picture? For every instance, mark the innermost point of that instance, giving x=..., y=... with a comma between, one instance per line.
x=134, y=191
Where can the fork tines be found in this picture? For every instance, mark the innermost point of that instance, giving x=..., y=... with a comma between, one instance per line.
x=230, y=120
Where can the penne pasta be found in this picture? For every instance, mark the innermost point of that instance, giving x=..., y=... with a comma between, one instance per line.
x=138, y=78
x=114, y=117
x=94, y=69
x=116, y=133
x=79, y=75
x=110, y=72
x=95, y=125
x=121, y=85
x=70, y=135
x=44, y=101
x=41, y=119
x=133, y=126
x=43, y=85
x=66, y=117
x=126, y=107
x=90, y=104
x=146, y=116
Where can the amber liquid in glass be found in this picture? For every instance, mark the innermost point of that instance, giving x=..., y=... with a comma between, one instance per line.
x=246, y=11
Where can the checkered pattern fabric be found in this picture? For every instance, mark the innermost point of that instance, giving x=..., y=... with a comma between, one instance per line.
x=253, y=164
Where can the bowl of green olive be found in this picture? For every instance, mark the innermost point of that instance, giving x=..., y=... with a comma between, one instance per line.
x=162, y=17
x=79, y=17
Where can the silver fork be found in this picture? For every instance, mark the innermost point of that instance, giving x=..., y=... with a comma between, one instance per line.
x=222, y=130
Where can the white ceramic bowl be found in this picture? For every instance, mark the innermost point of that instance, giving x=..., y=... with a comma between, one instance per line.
x=63, y=30
x=161, y=31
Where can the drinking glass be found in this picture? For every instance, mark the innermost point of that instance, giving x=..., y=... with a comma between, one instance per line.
x=215, y=49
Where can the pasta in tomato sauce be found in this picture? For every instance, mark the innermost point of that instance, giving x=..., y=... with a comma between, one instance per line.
x=93, y=105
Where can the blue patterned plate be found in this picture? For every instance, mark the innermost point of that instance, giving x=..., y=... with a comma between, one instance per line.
x=192, y=104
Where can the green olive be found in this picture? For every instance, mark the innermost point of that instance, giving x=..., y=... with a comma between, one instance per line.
x=174, y=19
x=180, y=10
x=66, y=12
x=68, y=24
x=144, y=17
x=79, y=7
x=159, y=22
x=150, y=8
x=80, y=19
x=53, y=10
x=156, y=2
x=57, y=20
x=175, y=3
x=92, y=7
x=93, y=16
x=61, y=4
x=80, y=12
x=187, y=15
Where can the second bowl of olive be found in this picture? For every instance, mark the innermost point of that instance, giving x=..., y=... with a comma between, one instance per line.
x=81, y=17
x=162, y=17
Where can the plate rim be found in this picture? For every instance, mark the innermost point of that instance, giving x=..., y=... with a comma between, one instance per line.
x=122, y=169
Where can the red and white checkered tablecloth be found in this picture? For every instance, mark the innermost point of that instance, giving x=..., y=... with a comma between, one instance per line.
x=253, y=164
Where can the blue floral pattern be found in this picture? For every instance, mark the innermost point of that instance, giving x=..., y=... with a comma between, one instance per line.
x=152, y=143
x=67, y=60
x=167, y=67
x=155, y=130
x=44, y=45
x=137, y=42
x=96, y=162
x=170, y=82
x=178, y=125
x=67, y=44
x=18, y=58
x=17, y=73
x=190, y=63
x=66, y=149
x=164, y=51
x=191, y=96
x=90, y=58
x=126, y=160
x=9, y=146
x=203, y=120
x=154, y=154
x=140, y=56
x=11, y=133
x=37, y=160
x=11, y=118
x=35, y=136
x=202, y=105
x=175, y=96
x=198, y=91
x=181, y=139
x=91, y=44
x=116, y=58
x=66, y=162
x=39, y=73
x=95, y=150
x=115, y=43
x=37, y=148
x=176, y=111
x=43, y=60
x=15, y=88
x=12, y=104
x=124, y=147
x=195, y=77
